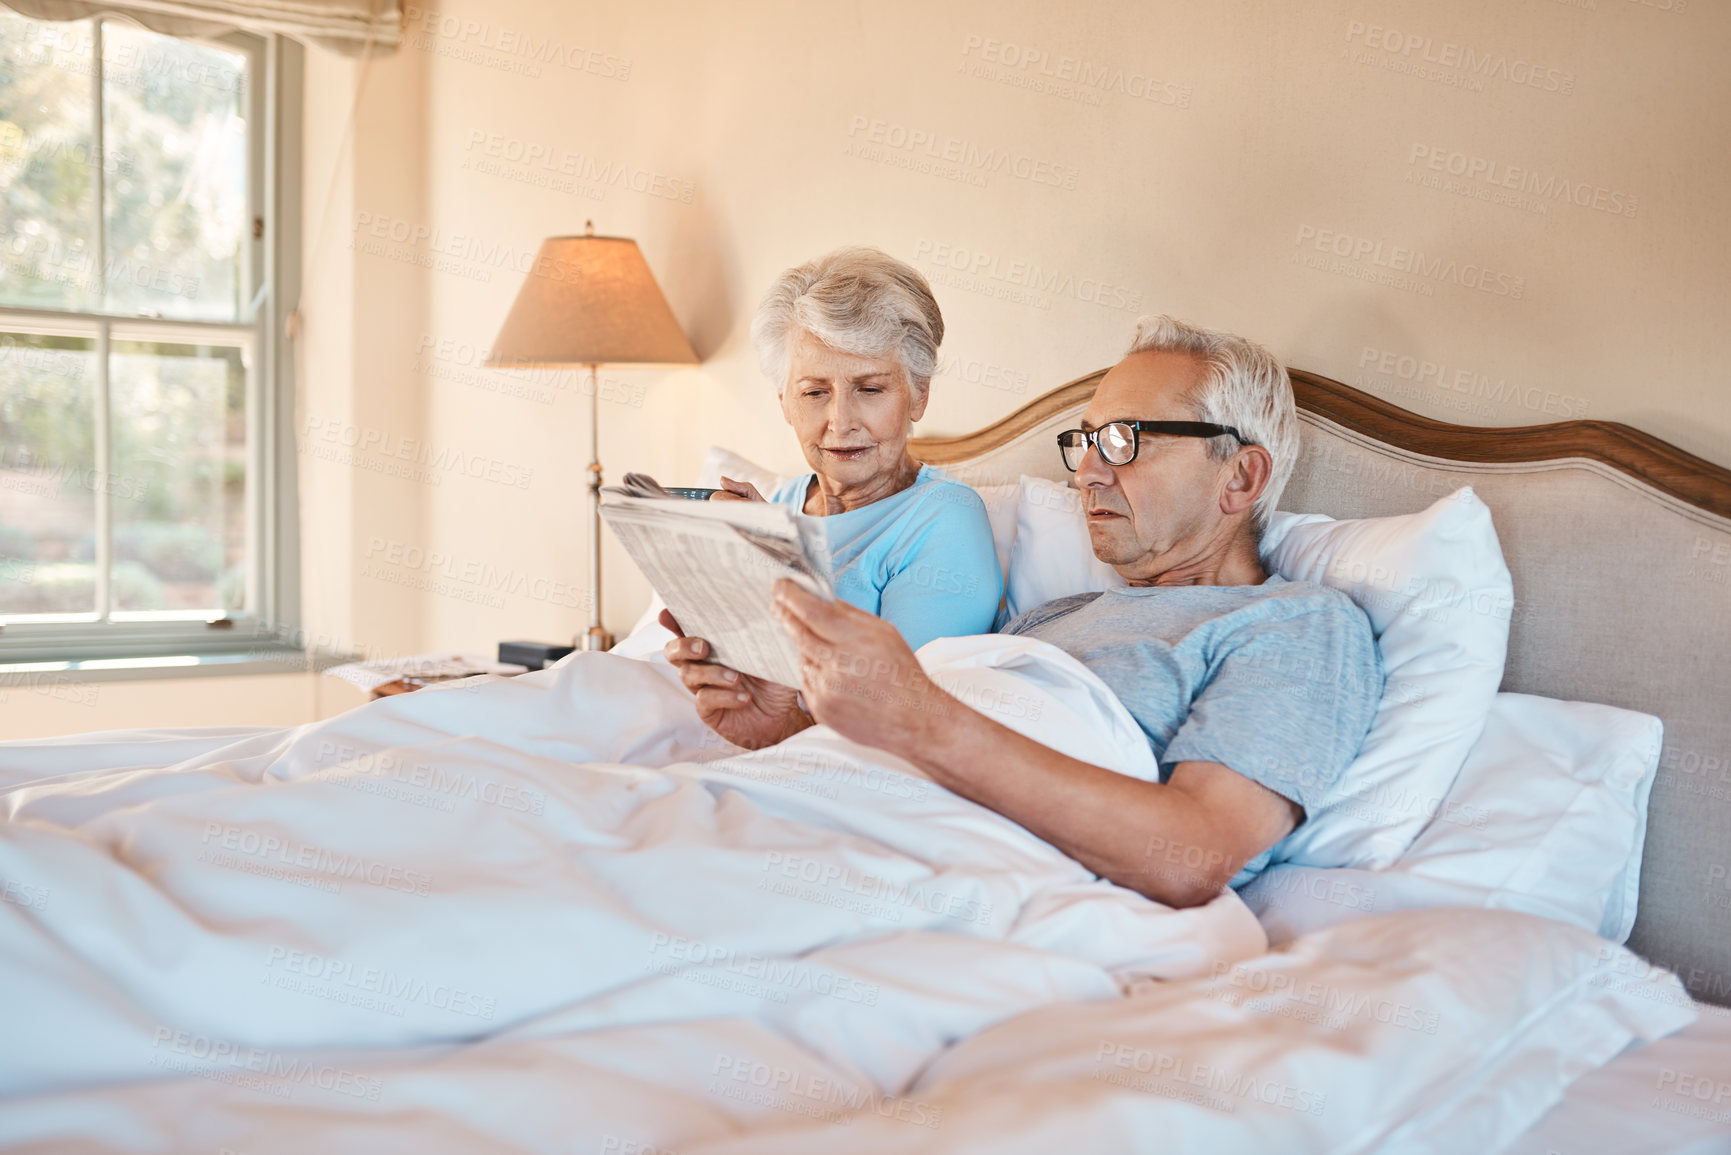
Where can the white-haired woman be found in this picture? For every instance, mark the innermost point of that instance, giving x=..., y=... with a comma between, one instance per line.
x=851, y=341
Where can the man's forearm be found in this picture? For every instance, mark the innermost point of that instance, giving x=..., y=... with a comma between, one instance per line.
x=1179, y=843
x=1142, y=835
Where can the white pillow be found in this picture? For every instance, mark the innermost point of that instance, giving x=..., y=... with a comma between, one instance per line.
x=1002, y=502
x=1548, y=816
x=648, y=638
x=718, y=462
x=1051, y=556
x=1438, y=596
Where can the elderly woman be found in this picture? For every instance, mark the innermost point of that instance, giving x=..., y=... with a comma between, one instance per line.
x=850, y=340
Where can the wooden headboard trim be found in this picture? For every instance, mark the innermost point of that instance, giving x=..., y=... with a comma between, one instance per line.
x=949, y=450
x=1657, y=463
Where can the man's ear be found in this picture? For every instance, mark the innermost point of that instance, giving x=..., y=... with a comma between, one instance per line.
x=1249, y=473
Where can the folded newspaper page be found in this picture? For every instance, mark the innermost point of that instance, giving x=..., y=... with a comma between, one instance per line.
x=715, y=564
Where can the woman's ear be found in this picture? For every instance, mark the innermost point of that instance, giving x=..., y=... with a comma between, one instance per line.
x=917, y=402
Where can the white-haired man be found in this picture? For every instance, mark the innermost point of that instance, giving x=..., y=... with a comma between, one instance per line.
x=1254, y=692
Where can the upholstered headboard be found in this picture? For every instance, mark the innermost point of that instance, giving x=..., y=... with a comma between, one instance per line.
x=1620, y=548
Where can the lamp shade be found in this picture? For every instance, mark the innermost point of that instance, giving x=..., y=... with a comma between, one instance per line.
x=590, y=301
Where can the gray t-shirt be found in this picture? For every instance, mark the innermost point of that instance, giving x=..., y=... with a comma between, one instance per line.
x=1278, y=682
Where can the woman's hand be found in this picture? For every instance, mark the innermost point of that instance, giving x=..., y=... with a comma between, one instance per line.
x=748, y=711
x=732, y=490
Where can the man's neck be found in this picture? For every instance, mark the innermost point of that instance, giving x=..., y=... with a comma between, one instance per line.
x=1233, y=563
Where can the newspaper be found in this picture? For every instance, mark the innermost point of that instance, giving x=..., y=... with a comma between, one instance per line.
x=715, y=564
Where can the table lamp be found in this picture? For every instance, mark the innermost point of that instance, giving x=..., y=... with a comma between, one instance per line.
x=590, y=301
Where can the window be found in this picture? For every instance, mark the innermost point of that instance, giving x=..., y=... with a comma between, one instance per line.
x=138, y=364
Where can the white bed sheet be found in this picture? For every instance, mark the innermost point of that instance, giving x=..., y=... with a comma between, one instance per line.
x=565, y=856
x=162, y=990
x=1192, y=1067
x=1669, y=1097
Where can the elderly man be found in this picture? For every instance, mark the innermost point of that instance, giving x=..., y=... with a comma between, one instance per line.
x=1181, y=457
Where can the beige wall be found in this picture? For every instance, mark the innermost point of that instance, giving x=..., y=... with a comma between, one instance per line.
x=1368, y=186
x=1225, y=144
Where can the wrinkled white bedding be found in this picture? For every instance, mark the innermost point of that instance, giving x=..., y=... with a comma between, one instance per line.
x=555, y=855
x=554, y=913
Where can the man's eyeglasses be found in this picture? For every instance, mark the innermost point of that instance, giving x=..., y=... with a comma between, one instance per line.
x=1119, y=441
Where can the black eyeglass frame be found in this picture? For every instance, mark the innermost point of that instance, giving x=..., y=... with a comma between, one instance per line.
x=1137, y=428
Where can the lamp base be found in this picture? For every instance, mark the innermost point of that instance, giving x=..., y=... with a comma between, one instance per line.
x=595, y=639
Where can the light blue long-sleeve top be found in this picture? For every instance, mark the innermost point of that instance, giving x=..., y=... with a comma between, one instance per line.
x=921, y=559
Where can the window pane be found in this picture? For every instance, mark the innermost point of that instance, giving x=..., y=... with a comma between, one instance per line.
x=176, y=214
x=47, y=474
x=179, y=432
x=46, y=186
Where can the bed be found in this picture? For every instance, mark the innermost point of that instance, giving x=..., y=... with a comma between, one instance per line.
x=1620, y=550
x=446, y=922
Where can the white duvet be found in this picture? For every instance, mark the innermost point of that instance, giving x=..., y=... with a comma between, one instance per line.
x=554, y=913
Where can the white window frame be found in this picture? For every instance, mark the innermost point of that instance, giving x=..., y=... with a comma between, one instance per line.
x=267, y=637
